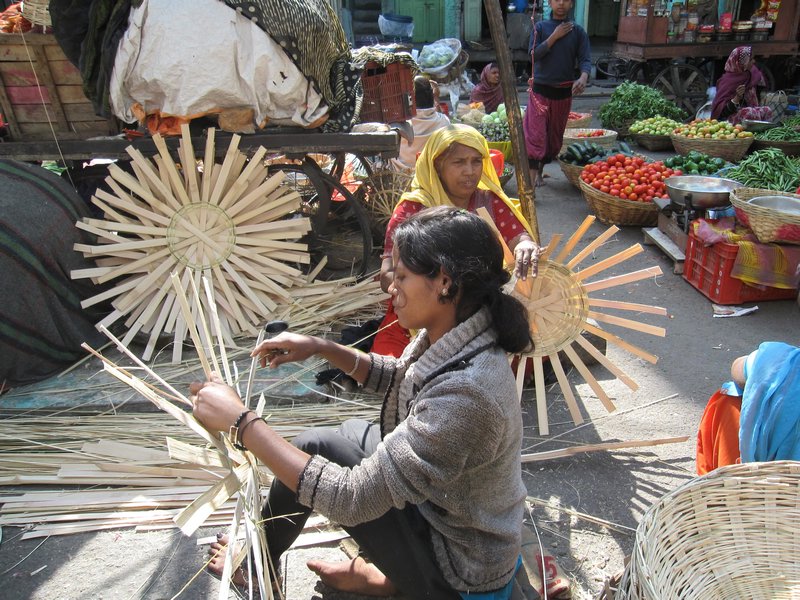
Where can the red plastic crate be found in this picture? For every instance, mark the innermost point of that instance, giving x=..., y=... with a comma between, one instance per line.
x=708, y=269
x=388, y=93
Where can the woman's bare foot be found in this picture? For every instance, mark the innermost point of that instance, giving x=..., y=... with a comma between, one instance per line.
x=216, y=564
x=539, y=182
x=355, y=576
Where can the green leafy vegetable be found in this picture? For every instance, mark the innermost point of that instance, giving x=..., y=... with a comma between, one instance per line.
x=633, y=102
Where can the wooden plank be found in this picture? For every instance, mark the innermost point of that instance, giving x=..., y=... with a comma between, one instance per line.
x=46, y=80
x=653, y=236
x=9, y=114
x=34, y=112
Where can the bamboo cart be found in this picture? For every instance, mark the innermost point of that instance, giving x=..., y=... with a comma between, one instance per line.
x=50, y=118
x=684, y=70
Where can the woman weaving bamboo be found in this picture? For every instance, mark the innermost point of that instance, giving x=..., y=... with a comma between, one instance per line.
x=433, y=495
x=454, y=169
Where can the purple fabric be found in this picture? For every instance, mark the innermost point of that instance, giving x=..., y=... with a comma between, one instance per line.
x=733, y=77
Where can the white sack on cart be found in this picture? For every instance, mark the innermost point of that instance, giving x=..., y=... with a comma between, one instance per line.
x=193, y=57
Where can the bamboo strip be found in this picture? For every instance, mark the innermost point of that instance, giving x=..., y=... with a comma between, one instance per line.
x=192, y=517
x=603, y=360
x=592, y=246
x=609, y=262
x=575, y=238
x=628, y=323
x=187, y=316
x=566, y=389
x=589, y=378
x=631, y=306
x=572, y=451
x=541, y=395
x=617, y=280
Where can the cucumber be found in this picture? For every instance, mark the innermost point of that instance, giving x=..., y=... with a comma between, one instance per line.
x=624, y=148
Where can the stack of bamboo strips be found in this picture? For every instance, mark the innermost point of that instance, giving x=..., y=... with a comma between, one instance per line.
x=126, y=451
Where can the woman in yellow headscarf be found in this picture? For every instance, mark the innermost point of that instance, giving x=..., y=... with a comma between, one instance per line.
x=454, y=169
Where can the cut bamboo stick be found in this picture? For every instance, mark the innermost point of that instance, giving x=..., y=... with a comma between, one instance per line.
x=603, y=446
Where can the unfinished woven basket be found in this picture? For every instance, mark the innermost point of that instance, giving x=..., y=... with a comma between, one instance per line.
x=730, y=150
x=767, y=224
x=607, y=140
x=730, y=534
x=584, y=121
x=655, y=143
x=37, y=12
x=788, y=148
x=571, y=172
x=616, y=211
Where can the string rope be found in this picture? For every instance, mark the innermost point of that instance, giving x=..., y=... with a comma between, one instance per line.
x=44, y=105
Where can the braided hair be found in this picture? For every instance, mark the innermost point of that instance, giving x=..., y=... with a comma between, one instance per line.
x=459, y=244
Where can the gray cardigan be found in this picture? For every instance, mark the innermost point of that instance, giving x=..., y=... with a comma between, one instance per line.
x=452, y=434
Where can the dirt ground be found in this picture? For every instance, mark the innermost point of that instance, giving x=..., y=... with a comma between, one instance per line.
x=585, y=507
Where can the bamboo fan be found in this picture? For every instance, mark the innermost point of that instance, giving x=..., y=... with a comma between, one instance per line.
x=559, y=307
x=225, y=222
x=381, y=192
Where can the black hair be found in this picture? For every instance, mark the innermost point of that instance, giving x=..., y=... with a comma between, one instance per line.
x=459, y=243
x=423, y=92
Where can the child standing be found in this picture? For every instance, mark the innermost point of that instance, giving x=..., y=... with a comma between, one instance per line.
x=559, y=47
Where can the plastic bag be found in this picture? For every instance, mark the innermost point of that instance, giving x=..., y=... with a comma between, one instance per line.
x=437, y=58
x=396, y=25
x=777, y=101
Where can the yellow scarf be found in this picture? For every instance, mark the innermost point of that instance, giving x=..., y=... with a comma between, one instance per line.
x=426, y=187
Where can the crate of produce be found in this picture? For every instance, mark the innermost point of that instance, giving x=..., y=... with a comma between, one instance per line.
x=653, y=133
x=602, y=137
x=40, y=88
x=768, y=225
x=712, y=137
x=708, y=270
x=388, y=93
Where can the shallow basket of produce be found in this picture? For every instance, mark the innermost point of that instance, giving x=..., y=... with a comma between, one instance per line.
x=655, y=143
x=731, y=150
x=788, y=148
x=579, y=120
x=602, y=137
x=612, y=210
x=769, y=225
x=571, y=172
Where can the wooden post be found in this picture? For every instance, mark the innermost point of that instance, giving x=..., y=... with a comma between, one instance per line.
x=507, y=81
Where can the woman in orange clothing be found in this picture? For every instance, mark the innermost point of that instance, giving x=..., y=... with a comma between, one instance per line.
x=755, y=417
x=454, y=169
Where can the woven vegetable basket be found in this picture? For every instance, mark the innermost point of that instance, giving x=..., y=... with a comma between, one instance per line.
x=767, y=224
x=571, y=172
x=729, y=534
x=789, y=148
x=731, y=150
x=607, y=140
x=655, y=143
x=37, y=12
x=611, y=210
x=584, y=121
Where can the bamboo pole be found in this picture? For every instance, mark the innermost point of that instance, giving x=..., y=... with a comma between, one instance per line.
x=503, y=54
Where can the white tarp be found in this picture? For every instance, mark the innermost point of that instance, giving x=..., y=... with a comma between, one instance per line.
x=191, y=57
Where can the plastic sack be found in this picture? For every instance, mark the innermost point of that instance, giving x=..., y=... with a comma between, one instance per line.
x=396, y=25
x=437, y=58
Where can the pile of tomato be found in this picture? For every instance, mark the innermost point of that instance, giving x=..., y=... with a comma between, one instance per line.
x=629, y=177
x=590, y=134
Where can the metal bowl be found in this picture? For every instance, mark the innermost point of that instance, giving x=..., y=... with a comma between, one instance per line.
x=700, y=191
x=756, y=126
x=781, y=204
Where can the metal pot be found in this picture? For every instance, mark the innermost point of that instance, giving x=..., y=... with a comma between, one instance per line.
x=778, y=203
x=698, y=191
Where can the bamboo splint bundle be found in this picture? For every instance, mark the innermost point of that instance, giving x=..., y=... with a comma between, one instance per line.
x=223, y=221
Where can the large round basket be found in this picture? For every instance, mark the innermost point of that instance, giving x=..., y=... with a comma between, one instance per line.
x=655, y=143
x=768, y=225
x=616, y=211
x=789, y=148
x=730, y=150
x=607, y=140
x=729, y=534
x=453, y=72
x=571, y=172
x=584, y=121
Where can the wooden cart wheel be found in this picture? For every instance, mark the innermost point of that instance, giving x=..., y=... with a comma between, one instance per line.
x=643, y=73
x=683, y=84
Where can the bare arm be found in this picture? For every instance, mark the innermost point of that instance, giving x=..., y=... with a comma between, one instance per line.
x=737, y=370
x=218, y=406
